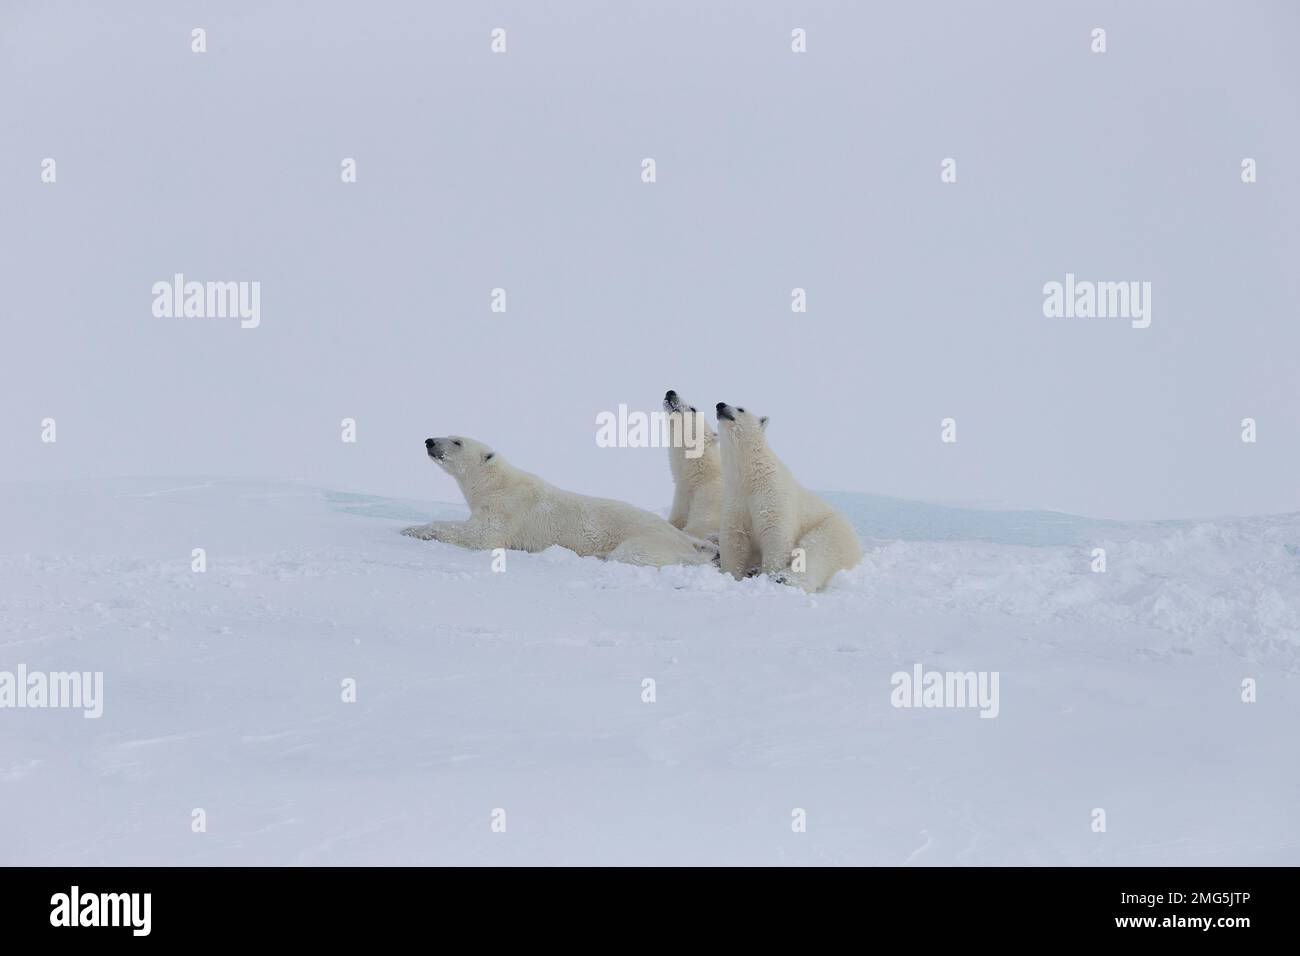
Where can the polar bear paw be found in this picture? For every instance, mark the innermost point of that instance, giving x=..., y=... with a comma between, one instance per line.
x=709, y=549
x=421, y=531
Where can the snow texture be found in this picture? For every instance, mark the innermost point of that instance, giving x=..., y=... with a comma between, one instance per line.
x=522, y=690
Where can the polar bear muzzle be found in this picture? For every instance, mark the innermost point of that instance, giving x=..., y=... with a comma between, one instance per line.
x=673, y=403
x=437, y=448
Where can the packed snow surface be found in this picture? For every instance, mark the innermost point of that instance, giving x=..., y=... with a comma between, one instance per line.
x=484, y=697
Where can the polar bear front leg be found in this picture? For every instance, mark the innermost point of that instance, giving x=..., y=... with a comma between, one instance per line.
x=681, y=508
x=733, y=541
x=466, y=534
x=776, y=540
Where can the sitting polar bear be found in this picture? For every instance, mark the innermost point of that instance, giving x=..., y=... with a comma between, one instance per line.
x=697, y=470
x=770, y=523
x=510, y=508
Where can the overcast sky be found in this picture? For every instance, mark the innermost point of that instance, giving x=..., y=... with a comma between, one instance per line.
x=775, y=170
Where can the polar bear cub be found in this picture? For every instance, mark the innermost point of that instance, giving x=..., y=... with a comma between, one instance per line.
x=510, y=508
x=697, y=470
x=769, y=521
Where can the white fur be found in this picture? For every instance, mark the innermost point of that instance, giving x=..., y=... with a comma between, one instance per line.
x=766, y=514
x=513, y=509
x=696, y=466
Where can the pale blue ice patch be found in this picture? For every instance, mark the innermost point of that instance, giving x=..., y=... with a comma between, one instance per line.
x=879, y=517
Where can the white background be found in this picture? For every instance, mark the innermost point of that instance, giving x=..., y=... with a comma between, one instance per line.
x=775, y=170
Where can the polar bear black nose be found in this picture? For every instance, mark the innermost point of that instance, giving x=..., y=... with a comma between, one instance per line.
x=428, y=442
x=720, y=406
x=671, y=396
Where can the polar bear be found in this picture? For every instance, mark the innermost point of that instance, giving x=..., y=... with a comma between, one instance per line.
x=697, y=470
x=509, y=508
x=769, y=521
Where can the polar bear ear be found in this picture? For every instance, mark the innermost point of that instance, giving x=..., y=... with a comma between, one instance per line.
x=762, y=423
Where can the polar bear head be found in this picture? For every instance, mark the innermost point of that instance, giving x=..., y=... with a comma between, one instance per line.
x=740, y=430
x=691, y=440
x=733, y=420
x=462, y=458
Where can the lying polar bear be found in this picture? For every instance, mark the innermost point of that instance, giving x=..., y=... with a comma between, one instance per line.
x=769, y=521
x=509, y=508
x=697, y=470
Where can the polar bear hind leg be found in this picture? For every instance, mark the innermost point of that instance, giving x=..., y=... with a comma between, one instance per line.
x=829, y=546
x=655, y=550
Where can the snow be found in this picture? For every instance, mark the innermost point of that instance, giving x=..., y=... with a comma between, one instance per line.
x=522, y=690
